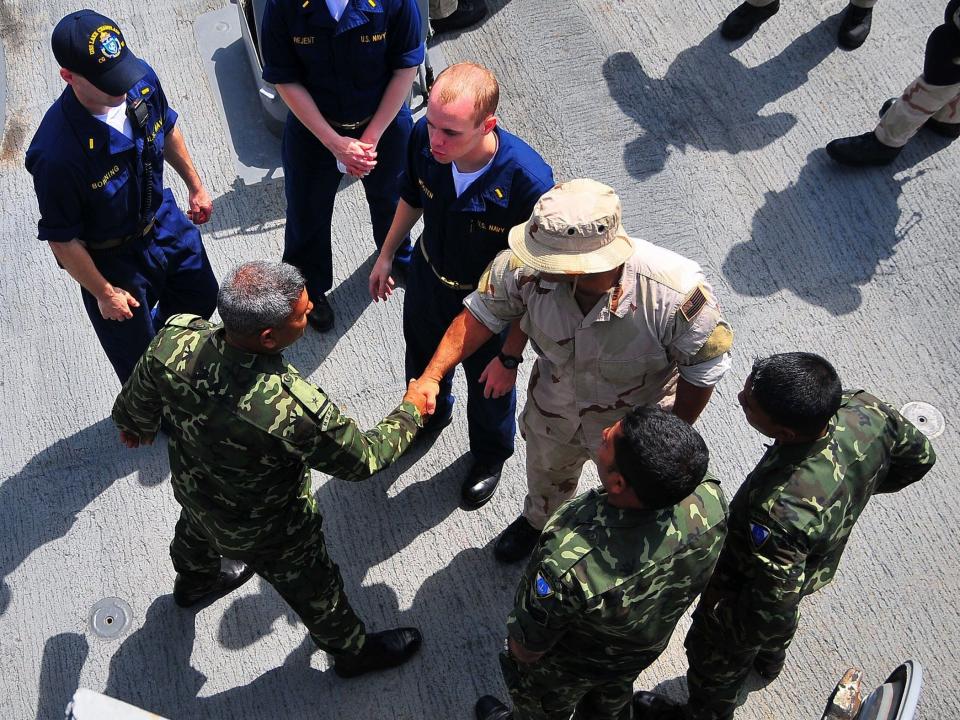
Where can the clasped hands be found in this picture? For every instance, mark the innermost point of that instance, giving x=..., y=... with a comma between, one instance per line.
x=359, y=157
x=423, y=391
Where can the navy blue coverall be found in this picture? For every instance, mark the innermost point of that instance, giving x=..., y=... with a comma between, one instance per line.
x=461, y=236
x=96, y=185
x=346, y=67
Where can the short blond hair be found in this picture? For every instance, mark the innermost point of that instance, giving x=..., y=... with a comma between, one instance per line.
x=471, y=80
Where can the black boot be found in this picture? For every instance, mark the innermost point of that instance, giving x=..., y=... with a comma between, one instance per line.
x=516, y=542
x=468, y=12
x=321, y=317
x=746, y=18
x=770, y=666
x=650, y=706
x=489, y=708
x=862, y=150
x=381, y=650
x=232, y=575
x=480, y=484
x=854, y=27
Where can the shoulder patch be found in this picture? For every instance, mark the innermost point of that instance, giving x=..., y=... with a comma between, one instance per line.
x=541, y=587
x=758, y=534
x=719, y=342
x=693, y=303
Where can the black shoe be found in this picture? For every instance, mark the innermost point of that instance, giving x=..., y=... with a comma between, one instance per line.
x=480, y=484
x=232, y=575
x=862, y=150
x=468, y=12
x=746, y=18
x=321, y=317
x=382, y=650
x=769, y=667
x=489, y=708
x=854, y=27
x=947, y=130
x=944, y=129
x=516, y=542
x=650, y=706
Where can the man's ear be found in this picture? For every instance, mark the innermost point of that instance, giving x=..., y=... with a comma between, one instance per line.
x=784, y=434
x=489, y=124
x=616, y=483
x=267, y=340
x=66, y=75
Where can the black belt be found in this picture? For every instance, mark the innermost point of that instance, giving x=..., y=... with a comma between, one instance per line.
x=120, y=242
x=350, y=125
x=452, y=284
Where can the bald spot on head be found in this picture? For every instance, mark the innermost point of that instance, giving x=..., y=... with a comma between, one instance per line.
x=470, y=80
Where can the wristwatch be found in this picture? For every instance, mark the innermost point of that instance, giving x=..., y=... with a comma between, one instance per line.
x=510, y=362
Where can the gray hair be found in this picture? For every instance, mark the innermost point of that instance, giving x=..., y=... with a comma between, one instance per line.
x=258, y=295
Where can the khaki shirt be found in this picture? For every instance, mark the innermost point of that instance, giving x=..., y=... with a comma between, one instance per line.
x=660, y=321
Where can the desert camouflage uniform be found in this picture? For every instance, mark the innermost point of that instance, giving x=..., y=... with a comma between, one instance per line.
x=245, y=429
x=660, y=322
x=936, y=93
x=789, y=524
x=602, y=595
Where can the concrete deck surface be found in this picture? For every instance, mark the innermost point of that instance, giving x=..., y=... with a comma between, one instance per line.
x=716, y=149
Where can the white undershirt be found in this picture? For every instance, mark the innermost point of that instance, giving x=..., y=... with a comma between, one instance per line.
x=462, y=180
x=116, y=117
x=336, y=8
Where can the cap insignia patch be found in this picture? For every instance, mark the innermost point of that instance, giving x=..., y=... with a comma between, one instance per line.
x=542, y=587
x=109, y=44
x=758, y=534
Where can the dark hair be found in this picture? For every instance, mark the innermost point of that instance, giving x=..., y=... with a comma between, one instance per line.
x=661, y=457
x=798, y=390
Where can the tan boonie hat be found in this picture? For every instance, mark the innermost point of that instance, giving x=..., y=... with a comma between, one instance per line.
x=575, y=228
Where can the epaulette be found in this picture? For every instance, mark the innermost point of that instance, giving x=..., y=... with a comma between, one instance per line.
x=192, y=322
x=313, y=400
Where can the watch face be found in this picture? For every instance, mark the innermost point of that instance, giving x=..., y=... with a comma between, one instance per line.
x=510, y=363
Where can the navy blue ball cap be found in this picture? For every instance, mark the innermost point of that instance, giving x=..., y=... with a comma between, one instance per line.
x=92, y=45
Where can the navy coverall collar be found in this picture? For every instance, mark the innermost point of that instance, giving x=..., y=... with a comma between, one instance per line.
x=94, y=136
x=491, y=187
x=354, y=15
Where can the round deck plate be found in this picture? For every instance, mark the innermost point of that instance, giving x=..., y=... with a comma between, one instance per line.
x=926, y=417
x=110, y=617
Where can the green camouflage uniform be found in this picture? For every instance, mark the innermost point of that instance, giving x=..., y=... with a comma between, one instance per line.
x=789, y=524
x=602, y=595
x=245, y=429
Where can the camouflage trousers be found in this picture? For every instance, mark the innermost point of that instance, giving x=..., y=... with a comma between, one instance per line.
x=546, y=690
x=301, y=571
x=719, y=662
